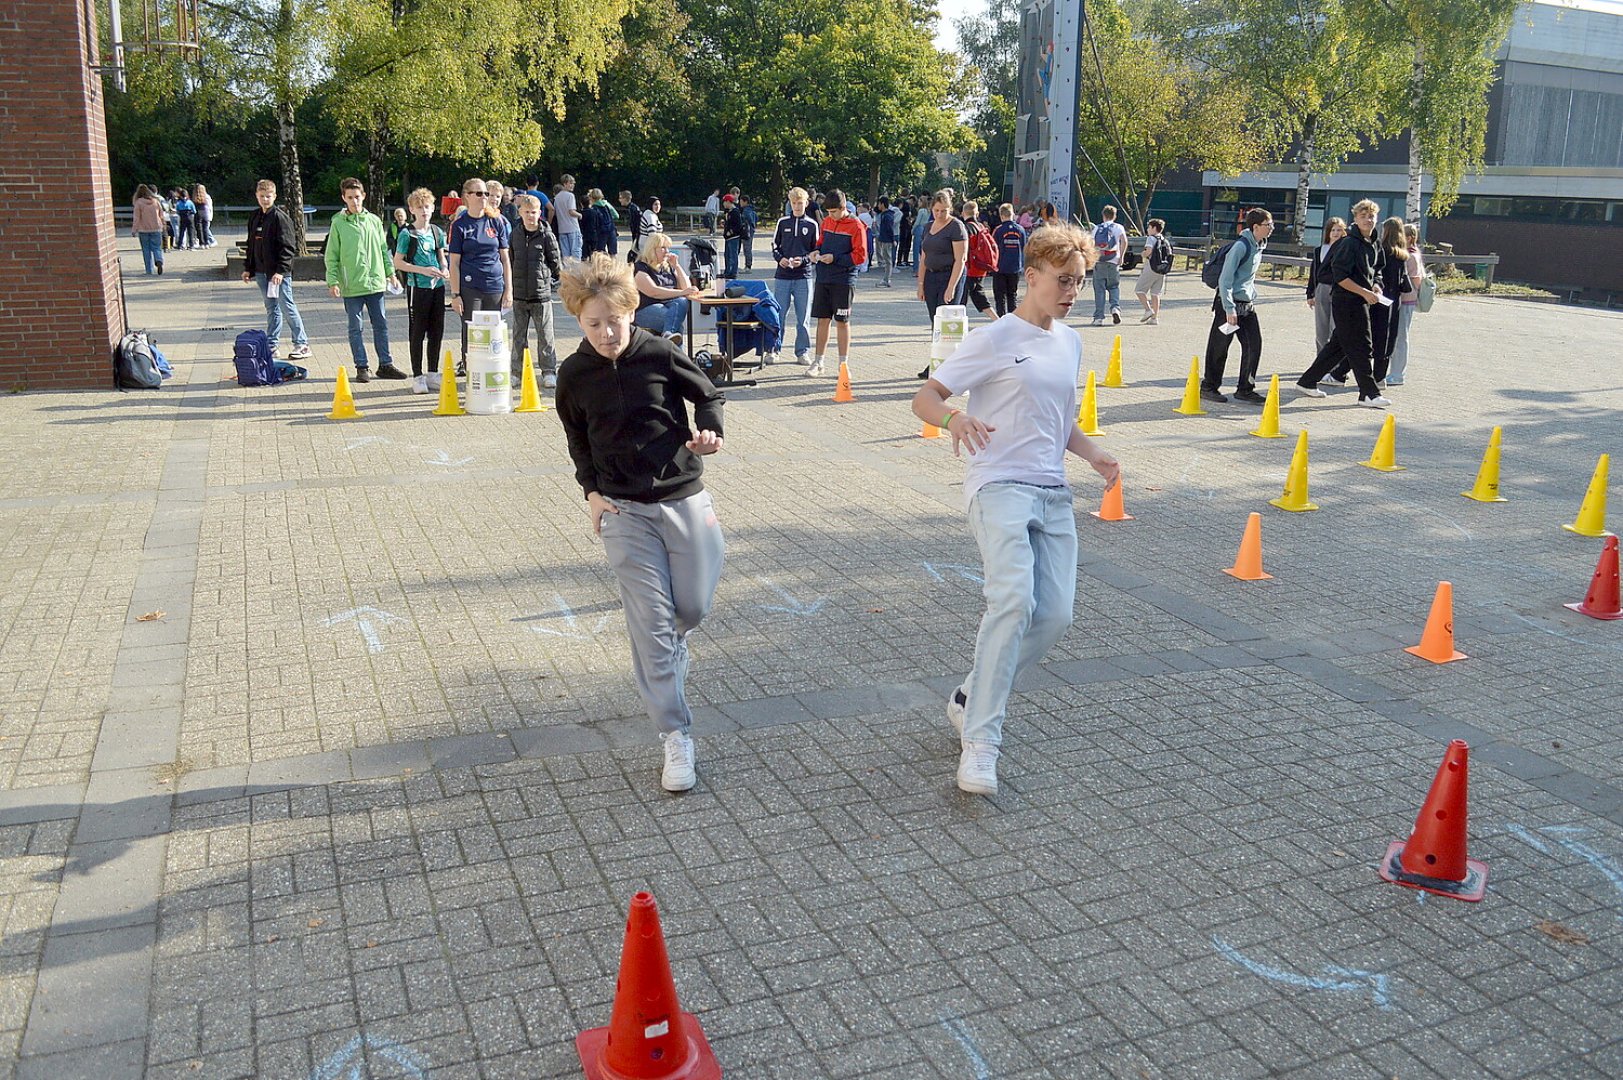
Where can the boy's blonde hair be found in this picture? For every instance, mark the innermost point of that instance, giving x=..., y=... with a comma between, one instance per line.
x=1006, y=211
x=599, y=277
x=421, y=197
x=526, y=202
x=265, y=185
x=798, y=194
x=1365, y=204
x=1054, y=246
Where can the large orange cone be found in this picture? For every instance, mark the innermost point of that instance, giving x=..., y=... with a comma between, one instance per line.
x=842, y=389
x=1248, y=563
x=1601, y=602
x=1111, y=507
x=1437, y=643
x=1592, y=514
x=1433, y=858
x=930, y=431
x=649, y=1037
x=343, y=400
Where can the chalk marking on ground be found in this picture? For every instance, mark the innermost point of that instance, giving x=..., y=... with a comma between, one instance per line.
x=968, y=573
x=1362, y=982
x=790, y=605
x=565, y=612
x=1566, y=835
x=363, y=618
x=961, y=1033
x=443, y=458
x=350, y=1061
x=1536, y=625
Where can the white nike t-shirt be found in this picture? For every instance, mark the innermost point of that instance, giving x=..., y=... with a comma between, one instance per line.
x=1021, y=381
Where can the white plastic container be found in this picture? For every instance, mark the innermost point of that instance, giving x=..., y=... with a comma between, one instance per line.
x=490, y=384
x=951, y=326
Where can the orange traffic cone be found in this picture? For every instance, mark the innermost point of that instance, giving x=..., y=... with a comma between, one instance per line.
x=1433, y=858
x=842, y=390
x=1601, y=602
x=1110, y=507
x=1437, y=643
x=649, y=1037
x=1248, y=563
x=930, y=431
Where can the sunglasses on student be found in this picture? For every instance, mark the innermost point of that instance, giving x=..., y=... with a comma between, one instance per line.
x=480, y=193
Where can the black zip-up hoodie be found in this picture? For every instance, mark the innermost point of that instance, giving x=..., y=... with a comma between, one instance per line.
x=626, y=419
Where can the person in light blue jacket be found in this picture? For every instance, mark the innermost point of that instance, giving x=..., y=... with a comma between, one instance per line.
x=1234, y=313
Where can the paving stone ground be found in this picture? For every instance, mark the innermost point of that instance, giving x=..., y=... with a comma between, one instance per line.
x=253, y=836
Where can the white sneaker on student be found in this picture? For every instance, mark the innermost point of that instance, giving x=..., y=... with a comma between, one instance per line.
x=433, y=378
x=419, y=385
x=678, y=773
x=802, y=358
x=300, y=352
x=815, y=367
x=770, y=358
x=977, y=768
x=549, y=381
x=956, y=704
x=1376, y=402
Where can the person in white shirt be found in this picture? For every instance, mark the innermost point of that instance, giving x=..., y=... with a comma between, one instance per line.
x=1110, y=239
x=712, y=210
x=1022, y=374
x=568, y=218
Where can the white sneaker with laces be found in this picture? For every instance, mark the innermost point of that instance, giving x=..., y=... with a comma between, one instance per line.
x=419, y=385
x=977, y=768
x=549, y=381
x=802, y=358
x=815, y=367
x=770, y=358
x=433, y=378
x=1376, y=402
x=300, y=352
x=956, y=703
x=1310, y=391
x=678, y=773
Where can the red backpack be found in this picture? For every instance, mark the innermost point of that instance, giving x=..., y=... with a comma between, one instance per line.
x=982, y=250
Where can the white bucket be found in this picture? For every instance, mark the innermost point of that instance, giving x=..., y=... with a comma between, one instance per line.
x=951, y=325
x=490, y=384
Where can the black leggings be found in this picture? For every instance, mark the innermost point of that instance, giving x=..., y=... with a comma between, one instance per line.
x=977, y=295
x=1350, y=344
x=1006, y=292
x=427, y=326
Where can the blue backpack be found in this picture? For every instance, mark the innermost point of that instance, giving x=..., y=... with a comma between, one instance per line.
x=252, y=356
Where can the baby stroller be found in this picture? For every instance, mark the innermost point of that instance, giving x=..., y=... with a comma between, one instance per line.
x=701, y=262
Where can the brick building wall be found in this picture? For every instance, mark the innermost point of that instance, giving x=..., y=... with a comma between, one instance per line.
x=61, y=308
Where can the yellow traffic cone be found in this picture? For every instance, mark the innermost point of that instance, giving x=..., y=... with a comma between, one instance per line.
x=449, y=405
x=1087, y=417
x=1294, y=497
x=1592, y=515
x=1191, y=392
x=1269, y=428
x=1385, y=455
x=1113, y=372
x=1487, y=477
x=343, y=402
x=529, y=397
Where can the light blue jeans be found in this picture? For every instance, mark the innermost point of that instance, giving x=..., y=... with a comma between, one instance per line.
x=1400, y=350
x=1027, y=537
x=151, y=249
x=1106, y=287
x=372, y=305
x=797, y=290
x=668, y=316
x=278, y=308
x=569, y=244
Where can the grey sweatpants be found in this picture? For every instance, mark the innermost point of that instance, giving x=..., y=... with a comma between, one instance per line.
x=667, y=557
x=1324, y=323
x=540, y=313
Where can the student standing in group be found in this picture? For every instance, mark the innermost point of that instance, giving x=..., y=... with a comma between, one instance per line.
x=148, y=227
x=1320, y=285
x=533, y=187
x=752, y=221
x=1157, y=265
x=481, y=263
x=904, y=231
x=203, y=225
x=1234, y=307
x=623, y=399
x=887, y=231
x=1111, y=241
x=186, y=212
x=976, y=269
x=359, y=268
x=1383, y=318
x=794, y=243
x=712, y=209
x=568, y=215
x=1010, y=239
x=1415, y=270
x=632, y=214
x=922, y=217
x=537, y=263
x=733, y=230
x=650, y=218
x=269, y=265
x=842, y=248
x=420, y=259
x=1355, y=268
x=1021, y=375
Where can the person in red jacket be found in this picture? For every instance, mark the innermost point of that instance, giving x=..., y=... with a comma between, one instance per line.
x=842, y=248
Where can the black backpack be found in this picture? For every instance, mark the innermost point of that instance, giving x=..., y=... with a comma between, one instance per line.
x=135, y=363
x=1160, y=255
x=1212, y=273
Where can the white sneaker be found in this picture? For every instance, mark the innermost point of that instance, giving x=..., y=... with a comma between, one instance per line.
x=770, y=358
x=300, y=352
x=419, y=385
x=956, y=703
x=1146, y=317
x=1097, y=322
x=1310, y=391
x=678, y=773
x=977, y=768
x=433, y=378
x=1376, y=402
x=1153, y=320
x=802, y=358
x=815, y=367
x=549, y=381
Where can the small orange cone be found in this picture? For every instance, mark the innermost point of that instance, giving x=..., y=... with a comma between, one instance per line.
x=930, y=432
x=1437, y=643
x=1110, y=507
x=1601, y=602
x=649, y=1037
x=1433, y=858
x=1248, y=563
x=842, y=390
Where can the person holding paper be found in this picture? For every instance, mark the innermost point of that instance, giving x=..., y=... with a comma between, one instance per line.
x=1355, y=268
x=1383, y=319
x=269, y=264
x=841, y=248
x=1234, y=313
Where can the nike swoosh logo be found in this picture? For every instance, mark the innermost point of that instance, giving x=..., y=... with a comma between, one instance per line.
x=1021, y=359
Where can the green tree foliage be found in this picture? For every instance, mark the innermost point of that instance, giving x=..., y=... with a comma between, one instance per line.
x=990, y=45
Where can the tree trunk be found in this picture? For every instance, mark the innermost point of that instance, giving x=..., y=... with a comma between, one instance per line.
x=777, y=188
x=1304, y=174
x=1411, y=204
x=287, y=134
x=377, y=155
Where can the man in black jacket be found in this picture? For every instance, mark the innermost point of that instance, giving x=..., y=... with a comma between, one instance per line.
x=1355, y=268
x=631, y=213
x=271, y=248
x=536, y=265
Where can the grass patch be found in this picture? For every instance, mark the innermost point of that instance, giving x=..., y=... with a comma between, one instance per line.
x=1470, y=286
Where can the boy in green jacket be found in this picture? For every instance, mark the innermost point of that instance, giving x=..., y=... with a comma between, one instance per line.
x=359, y=270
